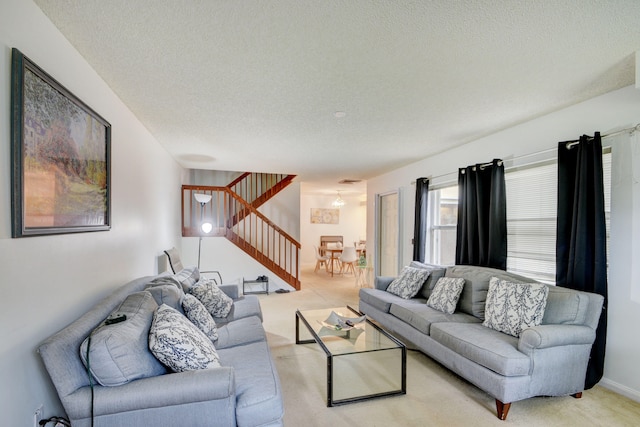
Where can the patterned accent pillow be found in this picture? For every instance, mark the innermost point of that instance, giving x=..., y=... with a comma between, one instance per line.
x=214, y=300
x=199, y=316
x=179, y=344
x=445, y=294
x=513, y=307
x=187, y=277
x=409, y=282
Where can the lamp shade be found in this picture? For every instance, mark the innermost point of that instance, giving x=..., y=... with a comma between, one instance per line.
x=206, y=227
x=202, y=198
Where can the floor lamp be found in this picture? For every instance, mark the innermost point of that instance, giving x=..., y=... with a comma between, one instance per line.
x=205, y=226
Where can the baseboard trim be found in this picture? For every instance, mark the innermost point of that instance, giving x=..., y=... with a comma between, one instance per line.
x=620, y=389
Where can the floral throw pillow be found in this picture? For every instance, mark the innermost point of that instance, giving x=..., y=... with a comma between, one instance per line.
x=214, y=300
x=199, y=316
x=445, y=294
x=179, y=344
x=409, y=282
x=513, y=307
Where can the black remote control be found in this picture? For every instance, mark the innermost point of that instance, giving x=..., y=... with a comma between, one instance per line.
x=115, y=318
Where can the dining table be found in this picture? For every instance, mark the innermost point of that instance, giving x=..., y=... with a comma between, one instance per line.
x=335, y=255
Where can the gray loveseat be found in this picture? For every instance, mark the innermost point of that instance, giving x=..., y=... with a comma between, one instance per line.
x=243, y=391
x=546, y=360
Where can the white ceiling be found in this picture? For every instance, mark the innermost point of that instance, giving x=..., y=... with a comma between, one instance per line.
x=254, y=85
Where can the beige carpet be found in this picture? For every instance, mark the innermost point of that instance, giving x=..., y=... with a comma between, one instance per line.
x=435, y=397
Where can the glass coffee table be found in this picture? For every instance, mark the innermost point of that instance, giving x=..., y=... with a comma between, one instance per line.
x=363, y=362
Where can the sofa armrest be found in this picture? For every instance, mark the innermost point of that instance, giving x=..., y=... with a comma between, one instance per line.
x=176, y=389
x=231, y=291
x=546, y=336
x=382, y=282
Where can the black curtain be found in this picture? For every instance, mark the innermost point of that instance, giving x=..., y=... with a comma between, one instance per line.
x=581, y=259
x=420, y=221
x=482, y=216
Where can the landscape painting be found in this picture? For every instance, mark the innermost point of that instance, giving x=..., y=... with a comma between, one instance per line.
x=60, y=157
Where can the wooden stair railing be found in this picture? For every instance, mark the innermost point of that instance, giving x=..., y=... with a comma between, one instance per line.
x=263, y=240
x=216, y=211
x=256, y=188
x=242, y=224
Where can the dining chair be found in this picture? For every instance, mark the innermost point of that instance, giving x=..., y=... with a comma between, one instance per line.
x=348, y=259
x=321, y=260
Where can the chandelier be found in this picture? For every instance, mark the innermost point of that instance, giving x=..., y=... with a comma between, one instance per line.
x=338, y=202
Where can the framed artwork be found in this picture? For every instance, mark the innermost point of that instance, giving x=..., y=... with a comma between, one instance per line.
x=60, y=157
x=325, y=216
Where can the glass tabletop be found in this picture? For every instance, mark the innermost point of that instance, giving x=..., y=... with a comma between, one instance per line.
x=363, y=337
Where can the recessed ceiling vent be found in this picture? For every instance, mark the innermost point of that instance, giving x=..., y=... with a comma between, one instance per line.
x=349, y=181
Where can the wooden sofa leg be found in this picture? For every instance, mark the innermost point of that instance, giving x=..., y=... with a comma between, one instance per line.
x=577, y=395
x=503, y=409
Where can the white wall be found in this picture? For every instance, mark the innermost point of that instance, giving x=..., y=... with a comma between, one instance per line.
x=616, y=110
x=47, y=282
x=352, y=225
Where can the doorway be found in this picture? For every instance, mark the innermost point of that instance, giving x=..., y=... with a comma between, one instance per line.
x=388, y=233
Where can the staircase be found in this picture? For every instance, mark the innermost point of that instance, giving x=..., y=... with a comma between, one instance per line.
x=233, y=211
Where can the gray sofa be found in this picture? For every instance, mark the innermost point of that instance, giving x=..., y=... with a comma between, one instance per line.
x=243, y=391
x=546, y=360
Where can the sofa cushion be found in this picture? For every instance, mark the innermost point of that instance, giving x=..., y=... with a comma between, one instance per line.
x=247, y=306
x=119, y=353
x=216, y=301
x=474, y=293
x=436, y=272
x=512, y=307
x=445, y=294
x=167, y=294
x=165, y=280
x=240, y=332
x=187, y=277
x=381, y=300
x=409, y=282
x=199, y=316
x=257, y=384
x=492, y=349
x=565, y=306
x=421, y=316
x=179, y=344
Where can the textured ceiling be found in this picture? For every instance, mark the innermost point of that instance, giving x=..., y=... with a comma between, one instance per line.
x=254, y=85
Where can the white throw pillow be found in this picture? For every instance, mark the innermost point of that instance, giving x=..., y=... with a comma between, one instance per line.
x=215, y=301
x=445, y=294
x=513, y=307
x=409, y=282
x=179, y=344
x=199, y=316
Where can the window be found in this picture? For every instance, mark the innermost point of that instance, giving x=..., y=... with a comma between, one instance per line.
x=443, y=217
x=531, y=219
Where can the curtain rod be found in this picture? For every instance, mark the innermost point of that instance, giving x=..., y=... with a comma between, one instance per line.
x=482, y=166
x=635, y=128
x=570, y=144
